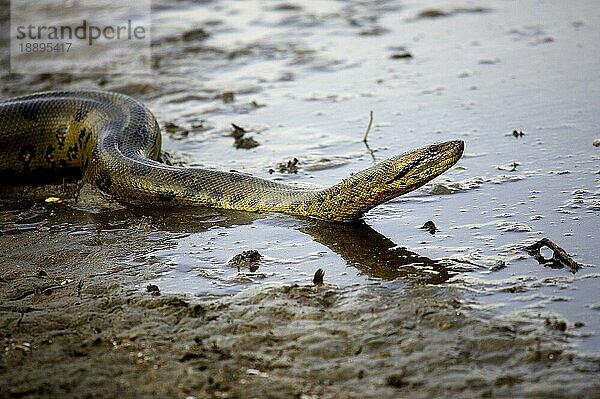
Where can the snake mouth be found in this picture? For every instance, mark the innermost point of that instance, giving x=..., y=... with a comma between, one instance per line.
x=448, y=154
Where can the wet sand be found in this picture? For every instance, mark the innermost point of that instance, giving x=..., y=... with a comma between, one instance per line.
x=97, y=333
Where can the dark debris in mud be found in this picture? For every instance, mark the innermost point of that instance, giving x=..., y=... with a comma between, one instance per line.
x=318, y=277
x=560, y=257
x=237, y=131
x=404, y=55
x=193, y=36
x=226, y=96
x=290, y=167
x=556, y=324
x=196, y=34
x=175, y=131
x=430, y=227
x=240, y=141
x=498, y=265
x=434, y=13
x=246, y=143
x=512, y=167
x=250, y=259
x=153, y=289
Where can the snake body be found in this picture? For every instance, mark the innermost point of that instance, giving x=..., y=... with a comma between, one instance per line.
x=113, y=142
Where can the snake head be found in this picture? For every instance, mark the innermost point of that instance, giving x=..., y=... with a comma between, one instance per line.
x=398, y=175
x=411, y=170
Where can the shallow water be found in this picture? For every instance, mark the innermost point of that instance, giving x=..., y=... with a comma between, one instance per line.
x=304, y=78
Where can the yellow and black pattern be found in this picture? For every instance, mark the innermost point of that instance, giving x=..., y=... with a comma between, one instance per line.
x=113, y=142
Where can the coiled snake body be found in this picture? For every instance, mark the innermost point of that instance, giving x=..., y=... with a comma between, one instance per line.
x=113, y=142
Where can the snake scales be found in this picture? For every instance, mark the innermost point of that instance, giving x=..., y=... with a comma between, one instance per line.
x=113, y=142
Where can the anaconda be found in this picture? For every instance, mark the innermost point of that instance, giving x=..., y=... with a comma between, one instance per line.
x=113, y=142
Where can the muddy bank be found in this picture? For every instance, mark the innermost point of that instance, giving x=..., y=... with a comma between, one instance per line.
x=83, y=314
x=101, y=338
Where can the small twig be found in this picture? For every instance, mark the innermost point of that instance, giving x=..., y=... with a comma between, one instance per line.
x=560, y=258
x=369, y=126
x=366, y=136
x=371, y=152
